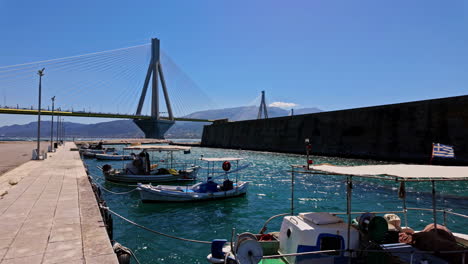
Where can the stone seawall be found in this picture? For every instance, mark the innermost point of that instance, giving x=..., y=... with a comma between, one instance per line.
x=397, y=132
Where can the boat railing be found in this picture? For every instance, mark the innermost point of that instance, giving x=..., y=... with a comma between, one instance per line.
x=444, y=211
x=180, y=165
x=264, y=228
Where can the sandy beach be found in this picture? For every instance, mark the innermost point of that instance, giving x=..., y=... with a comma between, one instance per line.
x=15, y=153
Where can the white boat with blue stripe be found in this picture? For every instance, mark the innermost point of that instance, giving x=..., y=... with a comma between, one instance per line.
x=210, y=189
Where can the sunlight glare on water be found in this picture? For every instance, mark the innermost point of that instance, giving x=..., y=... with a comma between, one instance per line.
x=269, y=194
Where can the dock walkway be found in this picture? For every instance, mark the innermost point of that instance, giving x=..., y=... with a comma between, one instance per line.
x=51, y=214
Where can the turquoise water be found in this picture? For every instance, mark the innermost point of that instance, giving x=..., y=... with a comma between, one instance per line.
x=269, y=194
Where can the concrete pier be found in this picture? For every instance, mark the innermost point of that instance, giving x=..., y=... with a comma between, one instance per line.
x=51, y=215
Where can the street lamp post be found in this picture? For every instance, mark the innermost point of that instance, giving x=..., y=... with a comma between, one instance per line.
x=52, y=127
x=57, y=130
x=40, y=73
x=63, y=130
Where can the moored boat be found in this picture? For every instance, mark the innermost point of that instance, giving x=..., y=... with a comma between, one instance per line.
x=371, y=237
x=140, y=170
x=114, y=156
x=207, y=190
x=91, y=153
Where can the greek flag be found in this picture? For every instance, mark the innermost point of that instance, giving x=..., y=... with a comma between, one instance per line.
x=442, y=151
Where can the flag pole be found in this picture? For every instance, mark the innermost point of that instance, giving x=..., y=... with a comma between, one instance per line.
x=432, y=154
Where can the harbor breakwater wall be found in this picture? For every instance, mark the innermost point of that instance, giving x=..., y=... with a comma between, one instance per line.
x=397, y=132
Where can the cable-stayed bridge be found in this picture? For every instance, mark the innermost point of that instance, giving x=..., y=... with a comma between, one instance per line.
x=114, y=84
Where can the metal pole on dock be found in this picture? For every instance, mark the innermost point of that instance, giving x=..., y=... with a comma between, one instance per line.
x=63, y=130
x=52, y=127
x=292, y=191
x=60, y=130
x=40, y=73
x=57, y=129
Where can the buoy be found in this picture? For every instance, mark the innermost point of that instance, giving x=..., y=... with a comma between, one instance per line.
x=226, y=166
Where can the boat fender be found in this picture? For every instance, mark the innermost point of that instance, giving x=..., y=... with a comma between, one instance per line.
x=106, y=168
x=123, y=253
x=226, y=166
x=173, y=172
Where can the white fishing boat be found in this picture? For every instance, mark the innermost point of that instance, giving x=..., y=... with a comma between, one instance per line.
x=91, y=153
x=371, y=237
x=114, y=156
x=207, y=190
x=140, y=170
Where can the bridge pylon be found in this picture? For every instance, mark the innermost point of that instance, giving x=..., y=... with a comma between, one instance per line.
x=155, y=127
x=262, y=108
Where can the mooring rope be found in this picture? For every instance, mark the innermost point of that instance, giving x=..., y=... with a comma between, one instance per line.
x=151, y=230
x=134, y=257
x=100, y=186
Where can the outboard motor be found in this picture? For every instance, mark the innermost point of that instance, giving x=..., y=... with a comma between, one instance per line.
x=228, y=185
x=106, y=168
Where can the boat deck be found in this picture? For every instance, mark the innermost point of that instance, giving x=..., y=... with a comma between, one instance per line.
x=51, y=214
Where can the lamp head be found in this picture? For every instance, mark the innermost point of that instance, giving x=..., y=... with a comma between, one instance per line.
x=41, y=72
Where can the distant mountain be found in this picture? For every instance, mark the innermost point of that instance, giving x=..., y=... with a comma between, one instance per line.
x=195, y=130
x=248, y=112
x=126, y=128
x=120, y=128
x=303, y=111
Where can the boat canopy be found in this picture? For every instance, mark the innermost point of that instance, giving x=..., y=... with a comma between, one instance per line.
x=397, y=172
x=222, y=159
x=158, y=147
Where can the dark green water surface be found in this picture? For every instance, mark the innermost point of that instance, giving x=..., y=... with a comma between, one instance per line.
x=269, y=194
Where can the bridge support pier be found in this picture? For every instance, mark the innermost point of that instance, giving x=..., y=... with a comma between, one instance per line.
x=154, y=128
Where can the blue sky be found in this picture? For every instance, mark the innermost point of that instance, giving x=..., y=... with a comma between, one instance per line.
x=326, y=54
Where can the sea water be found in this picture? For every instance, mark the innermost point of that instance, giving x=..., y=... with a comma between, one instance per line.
x=269, y=194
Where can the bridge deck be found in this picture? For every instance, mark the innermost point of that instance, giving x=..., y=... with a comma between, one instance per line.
x=20, y=111
x=51, y=214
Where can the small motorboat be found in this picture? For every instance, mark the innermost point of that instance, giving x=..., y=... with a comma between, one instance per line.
x=207, y=190
x=114, y=156
x=371, y=237
x=91, y=153
x=140, y=170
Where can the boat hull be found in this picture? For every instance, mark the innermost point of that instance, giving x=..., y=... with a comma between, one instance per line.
x=113, y=157
x=115, y=176
x=177, y=194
